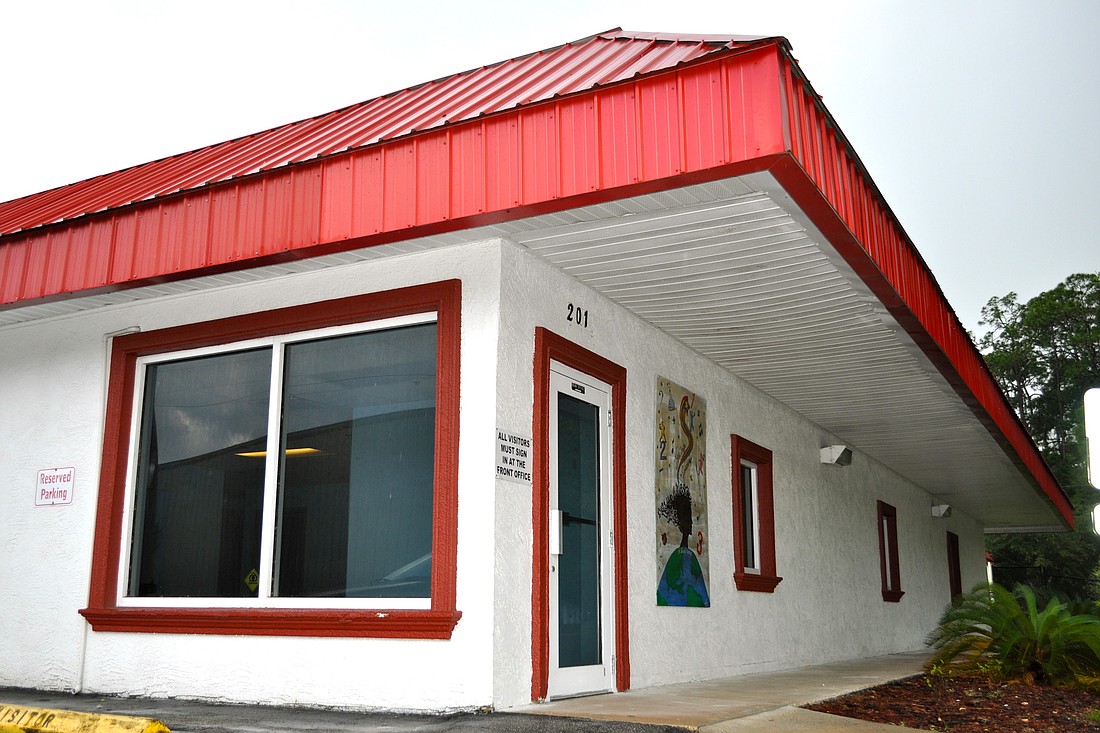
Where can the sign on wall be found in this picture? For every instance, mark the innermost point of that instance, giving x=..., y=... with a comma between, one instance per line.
x=54, y=486
x=683, y=565
x=513, y=457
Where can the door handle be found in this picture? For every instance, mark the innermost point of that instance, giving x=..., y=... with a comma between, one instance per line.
x=555, y=532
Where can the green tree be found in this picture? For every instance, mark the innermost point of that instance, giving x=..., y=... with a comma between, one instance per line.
x=1046, y=354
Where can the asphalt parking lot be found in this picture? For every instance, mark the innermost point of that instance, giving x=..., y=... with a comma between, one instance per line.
x=195, y=717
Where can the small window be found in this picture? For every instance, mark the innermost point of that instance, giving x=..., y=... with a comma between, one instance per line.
x=750, y=518
x=753, y=517
x=290, y=472
x=888, y=553
x=954, y=566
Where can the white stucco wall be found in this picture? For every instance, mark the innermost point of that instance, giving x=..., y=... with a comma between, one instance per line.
x=829, y=605
x=53, y=393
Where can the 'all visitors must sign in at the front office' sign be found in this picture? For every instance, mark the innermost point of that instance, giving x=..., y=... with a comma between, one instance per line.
x=513, y=457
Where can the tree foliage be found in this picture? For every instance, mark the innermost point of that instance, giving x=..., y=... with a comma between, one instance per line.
x=1046, y=354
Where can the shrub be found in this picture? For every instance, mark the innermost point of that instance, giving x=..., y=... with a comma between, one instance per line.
x=992, y=631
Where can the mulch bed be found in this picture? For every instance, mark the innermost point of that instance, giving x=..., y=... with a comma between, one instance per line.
x=964, y=704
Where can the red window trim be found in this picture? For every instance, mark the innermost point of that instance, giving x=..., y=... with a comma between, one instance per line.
x=438, y=622
x=888, y=553
x=549, y=346
x=765, y=581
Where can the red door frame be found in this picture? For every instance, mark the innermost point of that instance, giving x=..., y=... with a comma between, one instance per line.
x=549, y=346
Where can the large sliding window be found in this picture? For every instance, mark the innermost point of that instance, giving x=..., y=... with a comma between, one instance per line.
x=348, y=422
x=297, y=460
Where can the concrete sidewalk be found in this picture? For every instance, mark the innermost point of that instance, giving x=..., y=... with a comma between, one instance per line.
x=756, y=702
x=765, y=701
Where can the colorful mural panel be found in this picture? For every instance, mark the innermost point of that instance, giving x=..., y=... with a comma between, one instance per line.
x=683, y=566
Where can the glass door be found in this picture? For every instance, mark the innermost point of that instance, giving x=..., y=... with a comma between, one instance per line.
x=580, y=535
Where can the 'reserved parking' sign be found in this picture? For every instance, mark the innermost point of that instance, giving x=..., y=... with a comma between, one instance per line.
x=54, y=486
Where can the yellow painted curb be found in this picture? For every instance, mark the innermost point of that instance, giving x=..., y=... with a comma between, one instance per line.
x=20, y=719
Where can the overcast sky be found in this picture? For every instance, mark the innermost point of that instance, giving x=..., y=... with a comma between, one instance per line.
x=976, y=119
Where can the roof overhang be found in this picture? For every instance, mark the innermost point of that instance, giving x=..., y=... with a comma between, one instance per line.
x=739, y=272
x=718, y=200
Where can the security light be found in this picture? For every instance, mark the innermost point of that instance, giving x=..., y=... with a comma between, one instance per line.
x=837, y=455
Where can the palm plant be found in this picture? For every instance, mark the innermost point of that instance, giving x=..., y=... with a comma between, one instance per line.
x=990, y=630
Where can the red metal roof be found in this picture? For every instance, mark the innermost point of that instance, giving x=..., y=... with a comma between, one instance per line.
x=608, y=117
x=705, y=105
x=591, y=62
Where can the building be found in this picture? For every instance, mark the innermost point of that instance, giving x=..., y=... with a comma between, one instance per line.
x=595, y=369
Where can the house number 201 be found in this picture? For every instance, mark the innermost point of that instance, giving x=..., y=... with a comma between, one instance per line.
x=577, y=315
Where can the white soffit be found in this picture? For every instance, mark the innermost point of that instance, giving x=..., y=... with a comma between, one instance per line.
x=735, y=271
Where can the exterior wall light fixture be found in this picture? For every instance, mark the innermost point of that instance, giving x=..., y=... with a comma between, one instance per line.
x=836, y=455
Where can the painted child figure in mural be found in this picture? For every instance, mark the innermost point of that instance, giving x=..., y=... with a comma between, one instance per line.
x=682, y=582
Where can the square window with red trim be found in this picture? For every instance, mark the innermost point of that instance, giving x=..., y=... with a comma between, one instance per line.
x=290, y=472
x=753, y=517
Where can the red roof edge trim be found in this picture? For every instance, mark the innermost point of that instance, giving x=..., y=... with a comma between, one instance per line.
x=839, y=194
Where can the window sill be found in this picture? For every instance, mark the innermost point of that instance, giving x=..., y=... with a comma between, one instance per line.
x=892, y=596
x=756, y=582
x=388, y=624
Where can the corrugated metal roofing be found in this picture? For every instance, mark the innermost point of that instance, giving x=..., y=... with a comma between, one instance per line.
x=590, y=123
x=574, y=67
x=696, y=119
